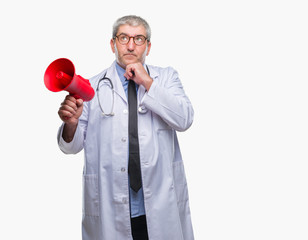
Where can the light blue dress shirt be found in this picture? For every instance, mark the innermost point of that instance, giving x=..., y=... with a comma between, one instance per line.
x=136, y=199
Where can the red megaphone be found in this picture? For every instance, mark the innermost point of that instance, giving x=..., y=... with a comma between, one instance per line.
x=60, y=75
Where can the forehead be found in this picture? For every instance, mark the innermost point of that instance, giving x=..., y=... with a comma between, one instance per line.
x=132, y=31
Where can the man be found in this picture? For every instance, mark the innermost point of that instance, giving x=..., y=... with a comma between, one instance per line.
x=134, y=179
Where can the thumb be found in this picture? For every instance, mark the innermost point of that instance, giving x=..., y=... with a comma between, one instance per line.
x=79, y=102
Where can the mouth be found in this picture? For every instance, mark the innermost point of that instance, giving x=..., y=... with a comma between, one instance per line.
x=130, y=55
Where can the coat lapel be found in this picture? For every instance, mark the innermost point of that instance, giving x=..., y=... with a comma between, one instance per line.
x=117, y=84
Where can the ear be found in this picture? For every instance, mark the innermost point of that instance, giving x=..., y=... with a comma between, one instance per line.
x=112, y=45
x=149, y=47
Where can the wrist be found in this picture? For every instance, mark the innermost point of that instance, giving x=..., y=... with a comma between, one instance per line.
x=69, y=130
x=147, y=83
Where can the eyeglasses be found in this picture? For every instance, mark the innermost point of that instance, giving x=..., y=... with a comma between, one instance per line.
x=138, y=40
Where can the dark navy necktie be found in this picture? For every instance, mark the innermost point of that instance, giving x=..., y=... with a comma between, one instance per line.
x=134, y=157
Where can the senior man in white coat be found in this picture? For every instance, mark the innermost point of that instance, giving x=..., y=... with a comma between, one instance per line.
x=112, y=210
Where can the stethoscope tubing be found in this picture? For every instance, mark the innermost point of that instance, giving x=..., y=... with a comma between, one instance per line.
x=140, y=109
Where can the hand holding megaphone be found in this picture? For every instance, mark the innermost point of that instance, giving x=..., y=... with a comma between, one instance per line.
x=60, y=75
x=70, y=110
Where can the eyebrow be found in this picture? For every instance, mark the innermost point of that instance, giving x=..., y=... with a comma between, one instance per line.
x=130, y=35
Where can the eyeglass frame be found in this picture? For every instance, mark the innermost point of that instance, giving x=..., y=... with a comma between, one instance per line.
x=133, y=37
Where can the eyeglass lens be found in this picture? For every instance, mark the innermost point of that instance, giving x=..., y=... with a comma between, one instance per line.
x=138, y=40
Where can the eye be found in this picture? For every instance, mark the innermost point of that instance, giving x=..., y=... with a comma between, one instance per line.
x=123, y=38
x=139, y=39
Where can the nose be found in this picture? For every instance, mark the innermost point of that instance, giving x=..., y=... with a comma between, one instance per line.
x=131, y=45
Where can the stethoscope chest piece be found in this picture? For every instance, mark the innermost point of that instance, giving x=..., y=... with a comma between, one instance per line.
x=142, y=109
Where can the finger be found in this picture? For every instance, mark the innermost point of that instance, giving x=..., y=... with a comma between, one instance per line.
x=70, y=104
x=70, y=98
x=130, y=75
x=65, y=115
x=68, y=108
x=126, y=76
x=130, y=70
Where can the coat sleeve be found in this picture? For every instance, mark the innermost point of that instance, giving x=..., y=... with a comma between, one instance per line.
x=168, y=100
x=76, y=145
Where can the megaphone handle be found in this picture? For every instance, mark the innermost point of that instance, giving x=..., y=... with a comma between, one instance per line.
x=75, y=95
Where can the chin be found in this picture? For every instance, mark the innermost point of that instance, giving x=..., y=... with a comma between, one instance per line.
x=130, y=62
x=124, y=62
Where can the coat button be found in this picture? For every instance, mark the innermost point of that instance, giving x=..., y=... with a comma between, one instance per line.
x=123, y=169
x=125, y=111
x=123, y=139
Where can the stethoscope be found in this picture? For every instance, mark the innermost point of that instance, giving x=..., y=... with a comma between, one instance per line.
x=141, y=109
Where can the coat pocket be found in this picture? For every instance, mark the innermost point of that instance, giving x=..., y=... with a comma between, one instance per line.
x=180, y=183
x=90, y=195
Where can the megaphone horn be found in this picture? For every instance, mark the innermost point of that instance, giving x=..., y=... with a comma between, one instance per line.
x=60, y=75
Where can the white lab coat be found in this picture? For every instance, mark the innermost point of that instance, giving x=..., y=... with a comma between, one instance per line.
x=106, y=209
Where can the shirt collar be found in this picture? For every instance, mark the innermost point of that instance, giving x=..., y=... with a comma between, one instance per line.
x=120, y=72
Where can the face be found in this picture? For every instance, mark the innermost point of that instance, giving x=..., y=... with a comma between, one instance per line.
x=130, y=52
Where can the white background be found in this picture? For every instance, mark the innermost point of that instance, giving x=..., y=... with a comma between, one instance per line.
x=242, y=63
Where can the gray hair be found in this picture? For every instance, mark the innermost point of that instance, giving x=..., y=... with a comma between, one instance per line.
x=134, y=21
